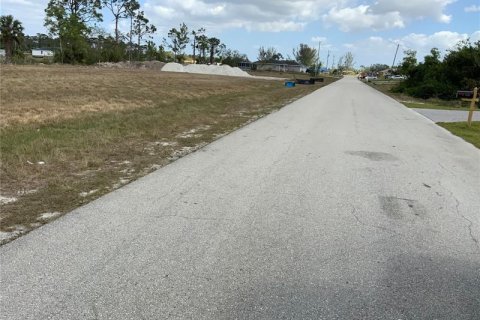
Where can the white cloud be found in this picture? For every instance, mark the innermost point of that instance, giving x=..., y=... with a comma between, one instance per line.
x=30, y=12
x=423, y=43
x=415, y=9
x=442, y=40
x=475, y=36
x=325, y=44
x=319, y=39
x=375, y=39
x=472, y=8
x=386, y=14
x=266, y=16
x=384, y=49
x=361, y=17
x=162, y=12
x=275, y=26
x=18, y=2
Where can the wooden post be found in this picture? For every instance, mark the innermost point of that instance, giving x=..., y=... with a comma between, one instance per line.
x=472, y=106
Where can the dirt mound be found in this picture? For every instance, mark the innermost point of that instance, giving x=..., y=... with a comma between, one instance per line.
x=223, y=70
x=173, y=67
x=154, y=65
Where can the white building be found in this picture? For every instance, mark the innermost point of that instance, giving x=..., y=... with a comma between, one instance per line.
x=40, y=53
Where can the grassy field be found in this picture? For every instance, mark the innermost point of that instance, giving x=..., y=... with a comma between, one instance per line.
x=470, y=134
x=70, y=134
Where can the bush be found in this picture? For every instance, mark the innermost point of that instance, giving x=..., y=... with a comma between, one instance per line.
x=459, y=70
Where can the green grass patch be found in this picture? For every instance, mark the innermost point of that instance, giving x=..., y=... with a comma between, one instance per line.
x=461, y=129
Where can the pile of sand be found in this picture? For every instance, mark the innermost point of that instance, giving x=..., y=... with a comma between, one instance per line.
x=173, y=67
x=154, y=65
x=223, y=70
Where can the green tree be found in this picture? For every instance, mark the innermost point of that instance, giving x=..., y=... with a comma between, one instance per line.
x=234, y=57
x=305, y=55
x=348, y=61
x=165, y=56
x=462, y=65
x=178, y=40
x=141, y=28
x=341, y=64
x=121, y=9
x=151, y=52
x=345, y=62
x=268, y=54
x=376, y=67
x=202, y=46
x=434, y=77
x=69, y=20
x=214, y=44
x=11, y=33
x=409, y=62
x=196, y=34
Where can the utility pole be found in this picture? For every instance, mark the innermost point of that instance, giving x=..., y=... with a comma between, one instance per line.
x=395, y=57
x=328, y=56
x=333, y=62
x=318, y=58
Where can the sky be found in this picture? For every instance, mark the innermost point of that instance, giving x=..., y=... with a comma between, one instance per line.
x=370, y=29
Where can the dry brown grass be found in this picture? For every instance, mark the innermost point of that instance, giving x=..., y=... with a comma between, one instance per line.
x=66, y=131
x=43, y=93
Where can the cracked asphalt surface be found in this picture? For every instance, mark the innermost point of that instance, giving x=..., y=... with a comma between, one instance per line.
x=342, y=205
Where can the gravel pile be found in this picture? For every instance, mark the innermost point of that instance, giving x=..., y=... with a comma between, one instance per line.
x=154, y=65
x=173, y=67
x=223, y=70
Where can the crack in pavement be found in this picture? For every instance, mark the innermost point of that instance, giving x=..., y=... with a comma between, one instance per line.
x=470, y=222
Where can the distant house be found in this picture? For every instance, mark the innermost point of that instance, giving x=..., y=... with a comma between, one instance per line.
x=282, y=66
x=385, y=72
x=2, y=52
x=245, y=65
x=41, y=53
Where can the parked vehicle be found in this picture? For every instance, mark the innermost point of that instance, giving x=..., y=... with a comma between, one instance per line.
x=370, y=78
x=397, y=77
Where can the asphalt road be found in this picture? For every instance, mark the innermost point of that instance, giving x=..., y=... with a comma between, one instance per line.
x=447, y=115
x=343, y=205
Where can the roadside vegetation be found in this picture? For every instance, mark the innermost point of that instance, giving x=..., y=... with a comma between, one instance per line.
x=433, y=84
x=436, y=80
x=387, y=87
x=81, y=132
x=438, y=77
x=461, y=129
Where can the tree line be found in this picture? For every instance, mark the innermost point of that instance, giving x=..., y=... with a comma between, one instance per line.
x=74, y=36
x=441, y=77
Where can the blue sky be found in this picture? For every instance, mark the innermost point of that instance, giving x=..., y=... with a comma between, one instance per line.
x=369, y=29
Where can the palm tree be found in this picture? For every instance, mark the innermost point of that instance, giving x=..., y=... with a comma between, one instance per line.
x=11, y=32
x=214, y=43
